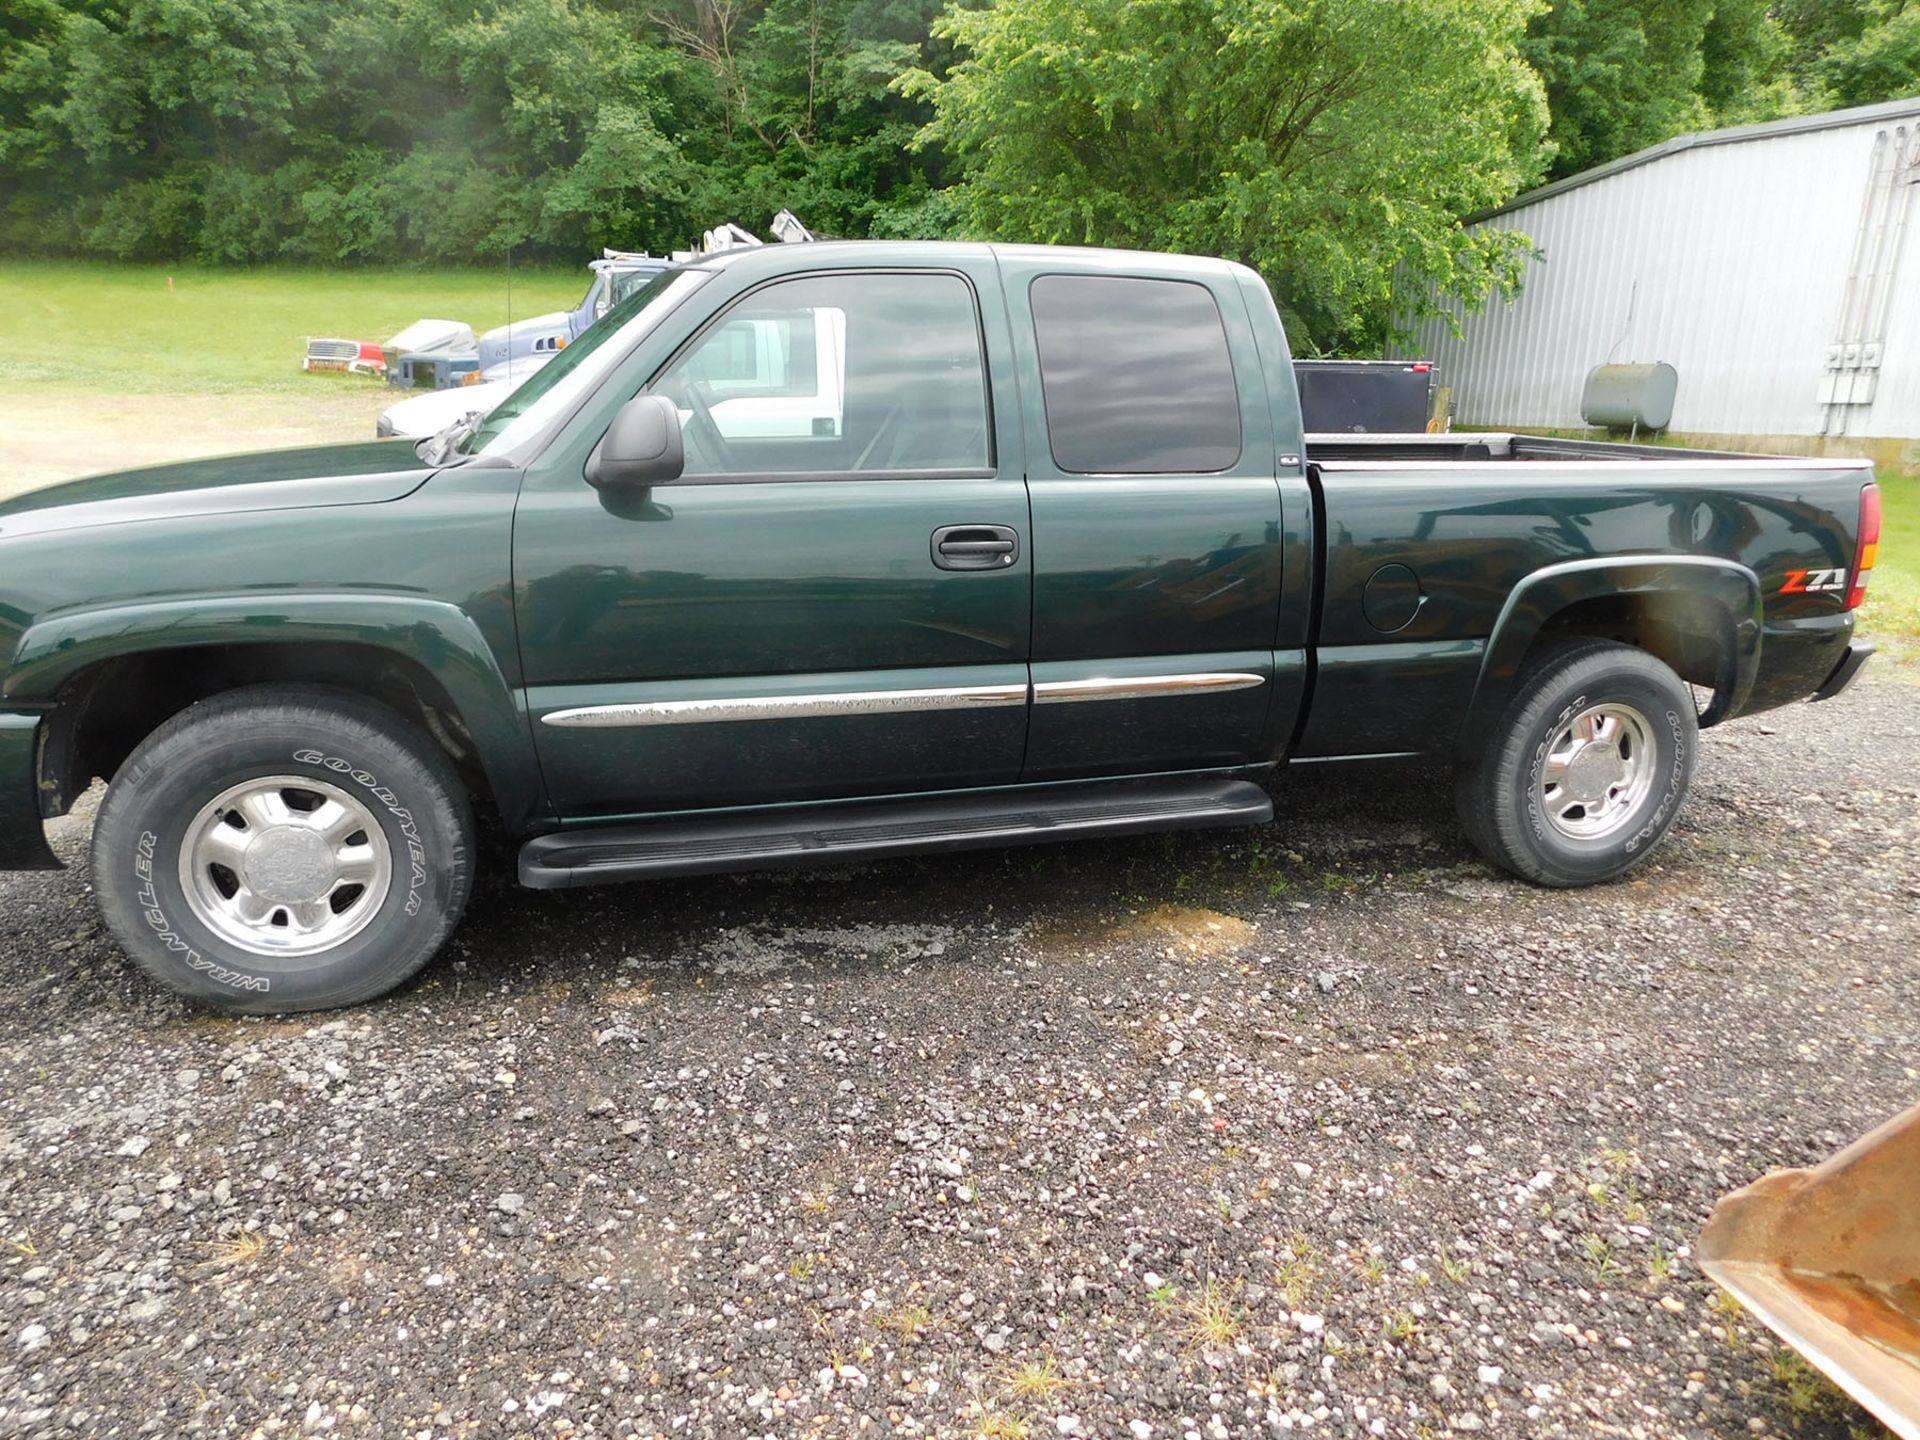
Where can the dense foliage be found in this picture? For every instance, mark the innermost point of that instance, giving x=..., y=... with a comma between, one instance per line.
x=1333, y=143
x=249, y=130
x=1623, y=74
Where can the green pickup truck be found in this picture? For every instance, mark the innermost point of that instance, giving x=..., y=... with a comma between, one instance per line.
x=811, y=553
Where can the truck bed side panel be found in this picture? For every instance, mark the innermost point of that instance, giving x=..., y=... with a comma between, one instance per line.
x=1470, y=532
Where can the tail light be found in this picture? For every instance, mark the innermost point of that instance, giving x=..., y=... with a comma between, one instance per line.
x=1869, y=547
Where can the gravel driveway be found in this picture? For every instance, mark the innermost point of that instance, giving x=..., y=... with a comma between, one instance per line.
x=1321, y=1127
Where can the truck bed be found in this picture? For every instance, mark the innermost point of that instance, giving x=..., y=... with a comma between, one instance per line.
x=1505, y=445
x=1429, y=544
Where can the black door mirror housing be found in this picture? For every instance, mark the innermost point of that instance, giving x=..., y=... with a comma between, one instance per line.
x=642, y=447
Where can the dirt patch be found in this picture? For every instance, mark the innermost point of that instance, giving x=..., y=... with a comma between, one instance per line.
x=1188, y=930
x=1177, y=930
x=57, y=434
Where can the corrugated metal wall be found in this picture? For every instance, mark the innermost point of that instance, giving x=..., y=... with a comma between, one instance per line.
x=1729, y=261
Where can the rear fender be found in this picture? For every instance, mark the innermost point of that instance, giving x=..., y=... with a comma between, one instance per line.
x=1724, y=590
x=437, y=635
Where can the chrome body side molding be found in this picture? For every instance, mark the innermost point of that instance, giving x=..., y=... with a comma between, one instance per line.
x=886, y=702
x=783, y=707
x=1142, y=687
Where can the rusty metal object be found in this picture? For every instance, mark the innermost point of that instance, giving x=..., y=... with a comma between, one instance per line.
x=1829, y=1259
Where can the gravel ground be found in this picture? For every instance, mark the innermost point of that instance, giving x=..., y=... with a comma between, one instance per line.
x=1323, y=1127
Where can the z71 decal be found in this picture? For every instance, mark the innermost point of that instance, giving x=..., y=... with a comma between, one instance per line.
x=1807, y=582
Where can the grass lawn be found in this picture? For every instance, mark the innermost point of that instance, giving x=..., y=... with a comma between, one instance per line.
x=1893, y=597
x=115, y=328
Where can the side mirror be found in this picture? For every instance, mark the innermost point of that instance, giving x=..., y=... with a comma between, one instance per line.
x=642, y=447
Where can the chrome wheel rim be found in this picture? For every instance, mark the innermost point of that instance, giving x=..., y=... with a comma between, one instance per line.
x=1599, y=767
x=285, y=865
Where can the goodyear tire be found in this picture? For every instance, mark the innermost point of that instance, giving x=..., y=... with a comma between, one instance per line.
x=283, y=848
x=1586, y=769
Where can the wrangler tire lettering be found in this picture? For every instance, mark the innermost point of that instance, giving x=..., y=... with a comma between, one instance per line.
x=156, y=918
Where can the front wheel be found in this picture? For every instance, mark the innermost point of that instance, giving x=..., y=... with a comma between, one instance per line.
x=283, y=848
x=1586, y=769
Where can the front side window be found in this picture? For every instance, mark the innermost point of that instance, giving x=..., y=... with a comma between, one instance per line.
x=1135, y=375
x=837, y=374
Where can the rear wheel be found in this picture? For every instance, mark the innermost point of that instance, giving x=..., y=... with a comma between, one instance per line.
x=283, y=848
x=1587, y=767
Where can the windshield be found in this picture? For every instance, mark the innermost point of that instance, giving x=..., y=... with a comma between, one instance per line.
x=563, y=382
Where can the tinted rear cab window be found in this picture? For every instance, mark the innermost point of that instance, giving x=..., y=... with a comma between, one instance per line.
x=1135, y=375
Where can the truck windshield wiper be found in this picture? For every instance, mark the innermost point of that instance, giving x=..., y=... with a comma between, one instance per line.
x=443, y=446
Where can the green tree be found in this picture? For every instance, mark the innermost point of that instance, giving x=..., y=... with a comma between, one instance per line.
x=1743, y=54
x=798, y=110
x=1625, y=74
x=245, y=130
x=1812, y=27
x=1620, y=74
x=1880, y=62
x=1333, y=144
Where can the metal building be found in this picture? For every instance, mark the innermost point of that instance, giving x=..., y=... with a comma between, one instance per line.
x=1775, y=266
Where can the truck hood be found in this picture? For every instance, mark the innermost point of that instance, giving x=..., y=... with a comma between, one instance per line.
x=355, y=473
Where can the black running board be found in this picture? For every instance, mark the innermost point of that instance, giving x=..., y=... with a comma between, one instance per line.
x=865, y=830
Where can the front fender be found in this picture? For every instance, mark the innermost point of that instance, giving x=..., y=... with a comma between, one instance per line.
x=1729, y=589
x=437, y=635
